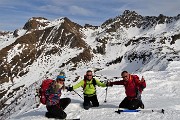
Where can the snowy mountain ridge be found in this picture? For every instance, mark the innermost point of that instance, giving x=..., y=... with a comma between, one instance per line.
x=43, y=48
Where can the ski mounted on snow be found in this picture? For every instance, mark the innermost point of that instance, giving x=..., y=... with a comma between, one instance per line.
x=67, y=119
x=72, y=119
x=64, y=118
x=140, y=110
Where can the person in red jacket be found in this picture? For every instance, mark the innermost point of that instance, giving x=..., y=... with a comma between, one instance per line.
x=133, y=89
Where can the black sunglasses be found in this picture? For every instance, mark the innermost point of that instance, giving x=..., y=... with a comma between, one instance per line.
x=60, y=80
x=89, y=75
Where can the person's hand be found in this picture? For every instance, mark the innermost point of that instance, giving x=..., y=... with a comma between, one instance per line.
x=109, y=84
x=69, y=88
x=142, y=79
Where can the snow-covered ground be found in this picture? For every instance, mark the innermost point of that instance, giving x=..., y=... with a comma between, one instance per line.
x=162, y=92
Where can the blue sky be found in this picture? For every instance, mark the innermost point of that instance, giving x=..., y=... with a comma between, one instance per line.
x=15, y=13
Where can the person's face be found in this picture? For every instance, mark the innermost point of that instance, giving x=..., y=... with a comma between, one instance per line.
x=125, y=76
x=89, y=75
x=60, y=81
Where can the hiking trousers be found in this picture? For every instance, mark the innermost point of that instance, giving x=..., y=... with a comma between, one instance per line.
x=130, y=104
x=57, y=111
x=90, y=99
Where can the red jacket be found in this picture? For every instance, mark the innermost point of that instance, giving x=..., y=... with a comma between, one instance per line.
x=131, y=86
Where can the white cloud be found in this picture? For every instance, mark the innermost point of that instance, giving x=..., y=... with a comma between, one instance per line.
x=51, y=8
x=75, y=10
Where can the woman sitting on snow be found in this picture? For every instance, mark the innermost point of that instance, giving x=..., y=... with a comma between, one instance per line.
x=54, y=104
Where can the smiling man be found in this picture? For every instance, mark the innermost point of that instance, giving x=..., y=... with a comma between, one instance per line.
x=89, y=89
x=133, y=89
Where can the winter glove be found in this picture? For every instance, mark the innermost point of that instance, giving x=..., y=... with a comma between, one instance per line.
x=69, y=89
x=109, y=84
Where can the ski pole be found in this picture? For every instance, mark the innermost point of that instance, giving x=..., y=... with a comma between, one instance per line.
x=106, y=94
x=78, y=94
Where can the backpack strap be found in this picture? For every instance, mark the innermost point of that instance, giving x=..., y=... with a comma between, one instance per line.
x=94, y=82
x=84, y=84
x=138, y=93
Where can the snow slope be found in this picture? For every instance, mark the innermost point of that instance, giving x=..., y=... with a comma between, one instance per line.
x=162, y=92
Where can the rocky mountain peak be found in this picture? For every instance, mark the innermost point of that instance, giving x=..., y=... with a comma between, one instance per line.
x=71, y=26
x=127, y=19
x=129, y=13
x=35, y=23
x=41, y=42
x=133, y=19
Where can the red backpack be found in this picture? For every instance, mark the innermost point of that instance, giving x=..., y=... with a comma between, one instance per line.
x=44, y=86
